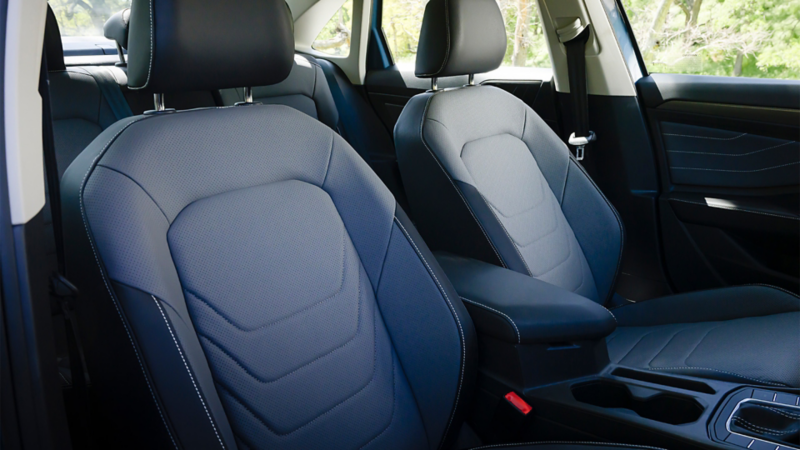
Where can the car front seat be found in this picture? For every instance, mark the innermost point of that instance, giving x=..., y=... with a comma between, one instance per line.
x=486, y=178
x=246, y=280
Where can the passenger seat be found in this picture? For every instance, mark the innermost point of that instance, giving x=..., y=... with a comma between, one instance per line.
x=487, y=178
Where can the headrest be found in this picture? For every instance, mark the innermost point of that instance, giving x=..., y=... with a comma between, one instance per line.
x=184, y=45
x=460, y=37
x=116, y=27
x=52, y=43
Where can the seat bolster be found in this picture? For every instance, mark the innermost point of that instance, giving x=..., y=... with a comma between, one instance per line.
x=597, y=228
x=179, y=372
x=326, y=108
x=441, y=379
x=709, y=305
x=443, y=215
x=487, y=220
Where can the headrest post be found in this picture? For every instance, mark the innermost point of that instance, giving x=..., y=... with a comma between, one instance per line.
x=121, y=54
x=434, y=84
x=248, y=95
x=471, y=79
x=158, y=99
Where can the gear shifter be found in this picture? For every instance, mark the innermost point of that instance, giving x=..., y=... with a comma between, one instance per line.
x=771, y=422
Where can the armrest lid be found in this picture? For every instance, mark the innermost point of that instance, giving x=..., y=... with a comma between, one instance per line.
x=523, y=310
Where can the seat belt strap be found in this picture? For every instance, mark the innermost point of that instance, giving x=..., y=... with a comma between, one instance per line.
x=574, y=37
x=60, y=288
x=110, y=88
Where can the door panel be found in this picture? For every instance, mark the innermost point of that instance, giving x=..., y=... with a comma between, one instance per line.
x=729, y=154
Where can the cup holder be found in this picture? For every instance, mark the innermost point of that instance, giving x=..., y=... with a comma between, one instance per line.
x=661, y=407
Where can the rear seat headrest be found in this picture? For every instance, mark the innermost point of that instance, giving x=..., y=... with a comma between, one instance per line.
x=185, y=45
x=52, y=43
x=116, y=27
x=460, y=37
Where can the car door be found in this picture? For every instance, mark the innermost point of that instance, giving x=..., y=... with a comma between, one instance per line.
x=724, y=120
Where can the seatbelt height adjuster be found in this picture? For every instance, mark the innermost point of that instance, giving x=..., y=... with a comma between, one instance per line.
x=580, y=143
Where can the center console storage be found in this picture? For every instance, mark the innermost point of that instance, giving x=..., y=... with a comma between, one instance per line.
x=545, y=375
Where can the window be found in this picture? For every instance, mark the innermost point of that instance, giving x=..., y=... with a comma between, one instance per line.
x=749, y=38
x=85, y=17
x=334, y=39
x=527, y=47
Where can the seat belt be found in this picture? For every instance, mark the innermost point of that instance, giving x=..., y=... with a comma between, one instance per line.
x=574, y=37
x=60, y=288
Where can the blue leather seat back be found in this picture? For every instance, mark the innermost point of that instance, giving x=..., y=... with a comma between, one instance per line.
x=289, y=286
x=498, y=176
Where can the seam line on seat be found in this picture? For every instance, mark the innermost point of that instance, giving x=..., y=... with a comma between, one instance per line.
x=304, y=365
x=513, y=243
x=372, y=378
x=394, y=406
x=103, y=275
x=619, y=224
x=150, y=64
x=458, y=191
x=592, y=443
x=686, y=359
x=455, y=316
x=665, y=346
x=509, y=319
x=771, y=383
x=191, y=376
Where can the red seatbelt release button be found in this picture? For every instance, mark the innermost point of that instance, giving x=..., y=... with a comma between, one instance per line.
x=518, y=403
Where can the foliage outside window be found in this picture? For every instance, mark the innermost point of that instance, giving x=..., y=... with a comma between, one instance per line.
x=85, y=17
x=527, y=47
x=750, y=38
x=334, y=39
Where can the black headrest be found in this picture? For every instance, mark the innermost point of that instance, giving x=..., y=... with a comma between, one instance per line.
x=182, y=45
x=116, y=27
x=460, y=37
x=52, y=43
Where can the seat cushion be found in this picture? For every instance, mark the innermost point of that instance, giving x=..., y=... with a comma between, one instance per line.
x=746, y=334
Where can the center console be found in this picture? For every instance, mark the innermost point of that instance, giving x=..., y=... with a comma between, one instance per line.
x=545, y=347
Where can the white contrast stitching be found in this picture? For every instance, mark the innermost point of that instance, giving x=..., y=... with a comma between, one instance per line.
x=706, y=137
x=736, y=209
x=186, y=365
x=150, y=63
x=717, y=370
x=728, y=154
x=105, y=281
x=760, y=429
x=736, y=171
x=608, y=444
x=455, y=315
x=782, y=413
x=510, y=320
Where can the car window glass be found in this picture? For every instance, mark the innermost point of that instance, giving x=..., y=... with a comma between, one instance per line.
x=527, y=47
x=747, y=38
x=334, y=39
x=85, y=17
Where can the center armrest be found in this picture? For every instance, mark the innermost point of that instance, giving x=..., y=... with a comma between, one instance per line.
x=520, y=309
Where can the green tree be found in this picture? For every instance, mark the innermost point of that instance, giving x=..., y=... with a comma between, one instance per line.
x=85, y=17
x=752, y=38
